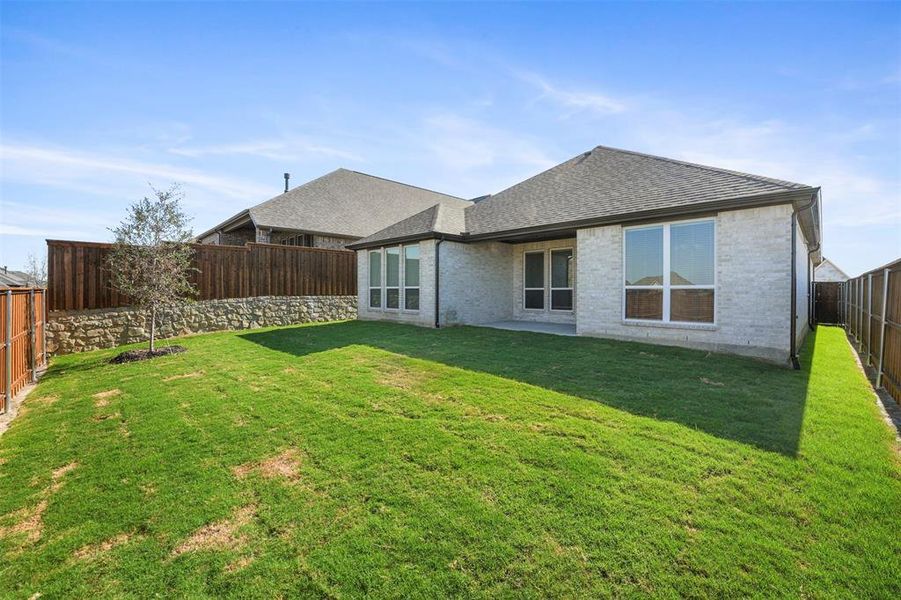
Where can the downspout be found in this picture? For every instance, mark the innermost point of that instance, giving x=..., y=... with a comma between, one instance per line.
x=437, y=280
x=793, y=350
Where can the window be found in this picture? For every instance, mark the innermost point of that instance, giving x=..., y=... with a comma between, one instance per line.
x=392, y=278
x=375, y=279
x=302, y=239
x=562, y=274
x=411, y=277
x=533, y=280
x=669, y=272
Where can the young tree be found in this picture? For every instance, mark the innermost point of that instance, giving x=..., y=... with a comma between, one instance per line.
x=150, y=261
x=37, y=271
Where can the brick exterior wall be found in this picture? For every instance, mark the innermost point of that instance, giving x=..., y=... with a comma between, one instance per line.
x=753, y=295
x=476, y=280
x=802, y=261
x=426, y=313
x=482, y=282
x=516, y=293
x=332, y=242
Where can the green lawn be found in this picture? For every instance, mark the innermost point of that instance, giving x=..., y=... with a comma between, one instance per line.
x=357, y=459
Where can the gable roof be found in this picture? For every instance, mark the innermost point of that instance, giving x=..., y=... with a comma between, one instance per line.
x=607, y=185
x=830, y=271
x=607, y=182
x=10, y=278
x=343, y=203
x=441, y=219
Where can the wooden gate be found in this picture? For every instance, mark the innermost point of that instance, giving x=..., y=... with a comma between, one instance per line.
x=827, y=296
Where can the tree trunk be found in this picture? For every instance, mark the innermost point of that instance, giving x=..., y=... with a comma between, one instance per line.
x=152, y=330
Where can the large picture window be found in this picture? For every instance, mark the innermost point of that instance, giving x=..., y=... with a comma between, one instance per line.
x=670, y=272
x=392, y=278
x=375, y=279
x=411, y=277
x=533, y=280
x=562, y=277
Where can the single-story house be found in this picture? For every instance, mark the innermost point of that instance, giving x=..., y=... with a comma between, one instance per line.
x=828, y=271
x=614, y=244
x=328, y=212
x=9, y=278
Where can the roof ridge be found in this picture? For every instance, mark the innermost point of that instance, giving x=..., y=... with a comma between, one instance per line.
x=759, y=178
x=304, y=184
x=418, y=187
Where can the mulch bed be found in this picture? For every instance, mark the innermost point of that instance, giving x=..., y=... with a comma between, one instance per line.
x=133, y=355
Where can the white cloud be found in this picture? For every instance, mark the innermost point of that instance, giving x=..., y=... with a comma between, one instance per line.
x=575, y=101
x=294, y=149
x=60, y=167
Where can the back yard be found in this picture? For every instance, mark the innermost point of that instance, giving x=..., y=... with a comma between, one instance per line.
x=359, y=458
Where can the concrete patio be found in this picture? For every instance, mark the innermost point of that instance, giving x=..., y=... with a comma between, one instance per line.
x=534, y=326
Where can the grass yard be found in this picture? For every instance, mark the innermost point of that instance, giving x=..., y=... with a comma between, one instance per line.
x=359, y=459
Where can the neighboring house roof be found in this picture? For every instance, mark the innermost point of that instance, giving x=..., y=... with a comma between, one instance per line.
x=829, y=271
x=14, y=278
x=343, y=203
x=606, y=185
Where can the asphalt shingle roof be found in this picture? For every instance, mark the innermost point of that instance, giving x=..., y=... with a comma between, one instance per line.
x=347, y=203
x=440, y=218
x=607, y=182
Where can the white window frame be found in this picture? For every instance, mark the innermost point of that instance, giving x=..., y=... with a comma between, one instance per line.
x=381, y=285
x=550, y=280
x=400, y=273
x=666, y=287
x=543, y=288
x=403, y=281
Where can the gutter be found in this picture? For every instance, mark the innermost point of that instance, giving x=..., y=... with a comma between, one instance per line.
x=793, y=350
x=439, y=239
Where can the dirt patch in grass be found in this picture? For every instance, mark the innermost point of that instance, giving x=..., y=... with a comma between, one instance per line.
x=184, y=376
x=221, y=534
x=238, y=564
x=104, y=417
x=30, y=521
x=44, y=400
x=135, y=355
x=59, y=473
x=94, y=550
x=402, y=378
x=286, y=464
x=101, y=399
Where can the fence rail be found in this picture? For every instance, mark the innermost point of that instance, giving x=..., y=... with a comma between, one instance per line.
x=78, y=276
x=871, y=306
x=22, y=317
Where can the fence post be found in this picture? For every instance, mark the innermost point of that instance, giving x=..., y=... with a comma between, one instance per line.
x=869, y=318
x=8, y=384
x=44, y=326
x=860, y=314
x=886, y=273
x=31, y=336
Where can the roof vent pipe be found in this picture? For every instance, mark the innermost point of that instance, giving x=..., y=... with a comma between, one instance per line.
x=287, y=177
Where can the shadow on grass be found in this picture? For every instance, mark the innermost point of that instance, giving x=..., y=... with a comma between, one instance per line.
x=730, y=397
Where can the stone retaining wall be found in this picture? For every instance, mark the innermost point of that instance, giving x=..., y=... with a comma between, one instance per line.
x=80, y=331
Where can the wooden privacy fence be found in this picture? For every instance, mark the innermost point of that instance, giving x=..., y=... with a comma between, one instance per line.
x=22, y=317
x=78, y=277
x=871, y=311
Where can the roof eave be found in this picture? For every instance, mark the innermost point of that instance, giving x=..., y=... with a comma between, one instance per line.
x=432, y=235
x=756, y=201
x=226, y=223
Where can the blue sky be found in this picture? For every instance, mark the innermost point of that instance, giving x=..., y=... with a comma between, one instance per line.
x=100, y=99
